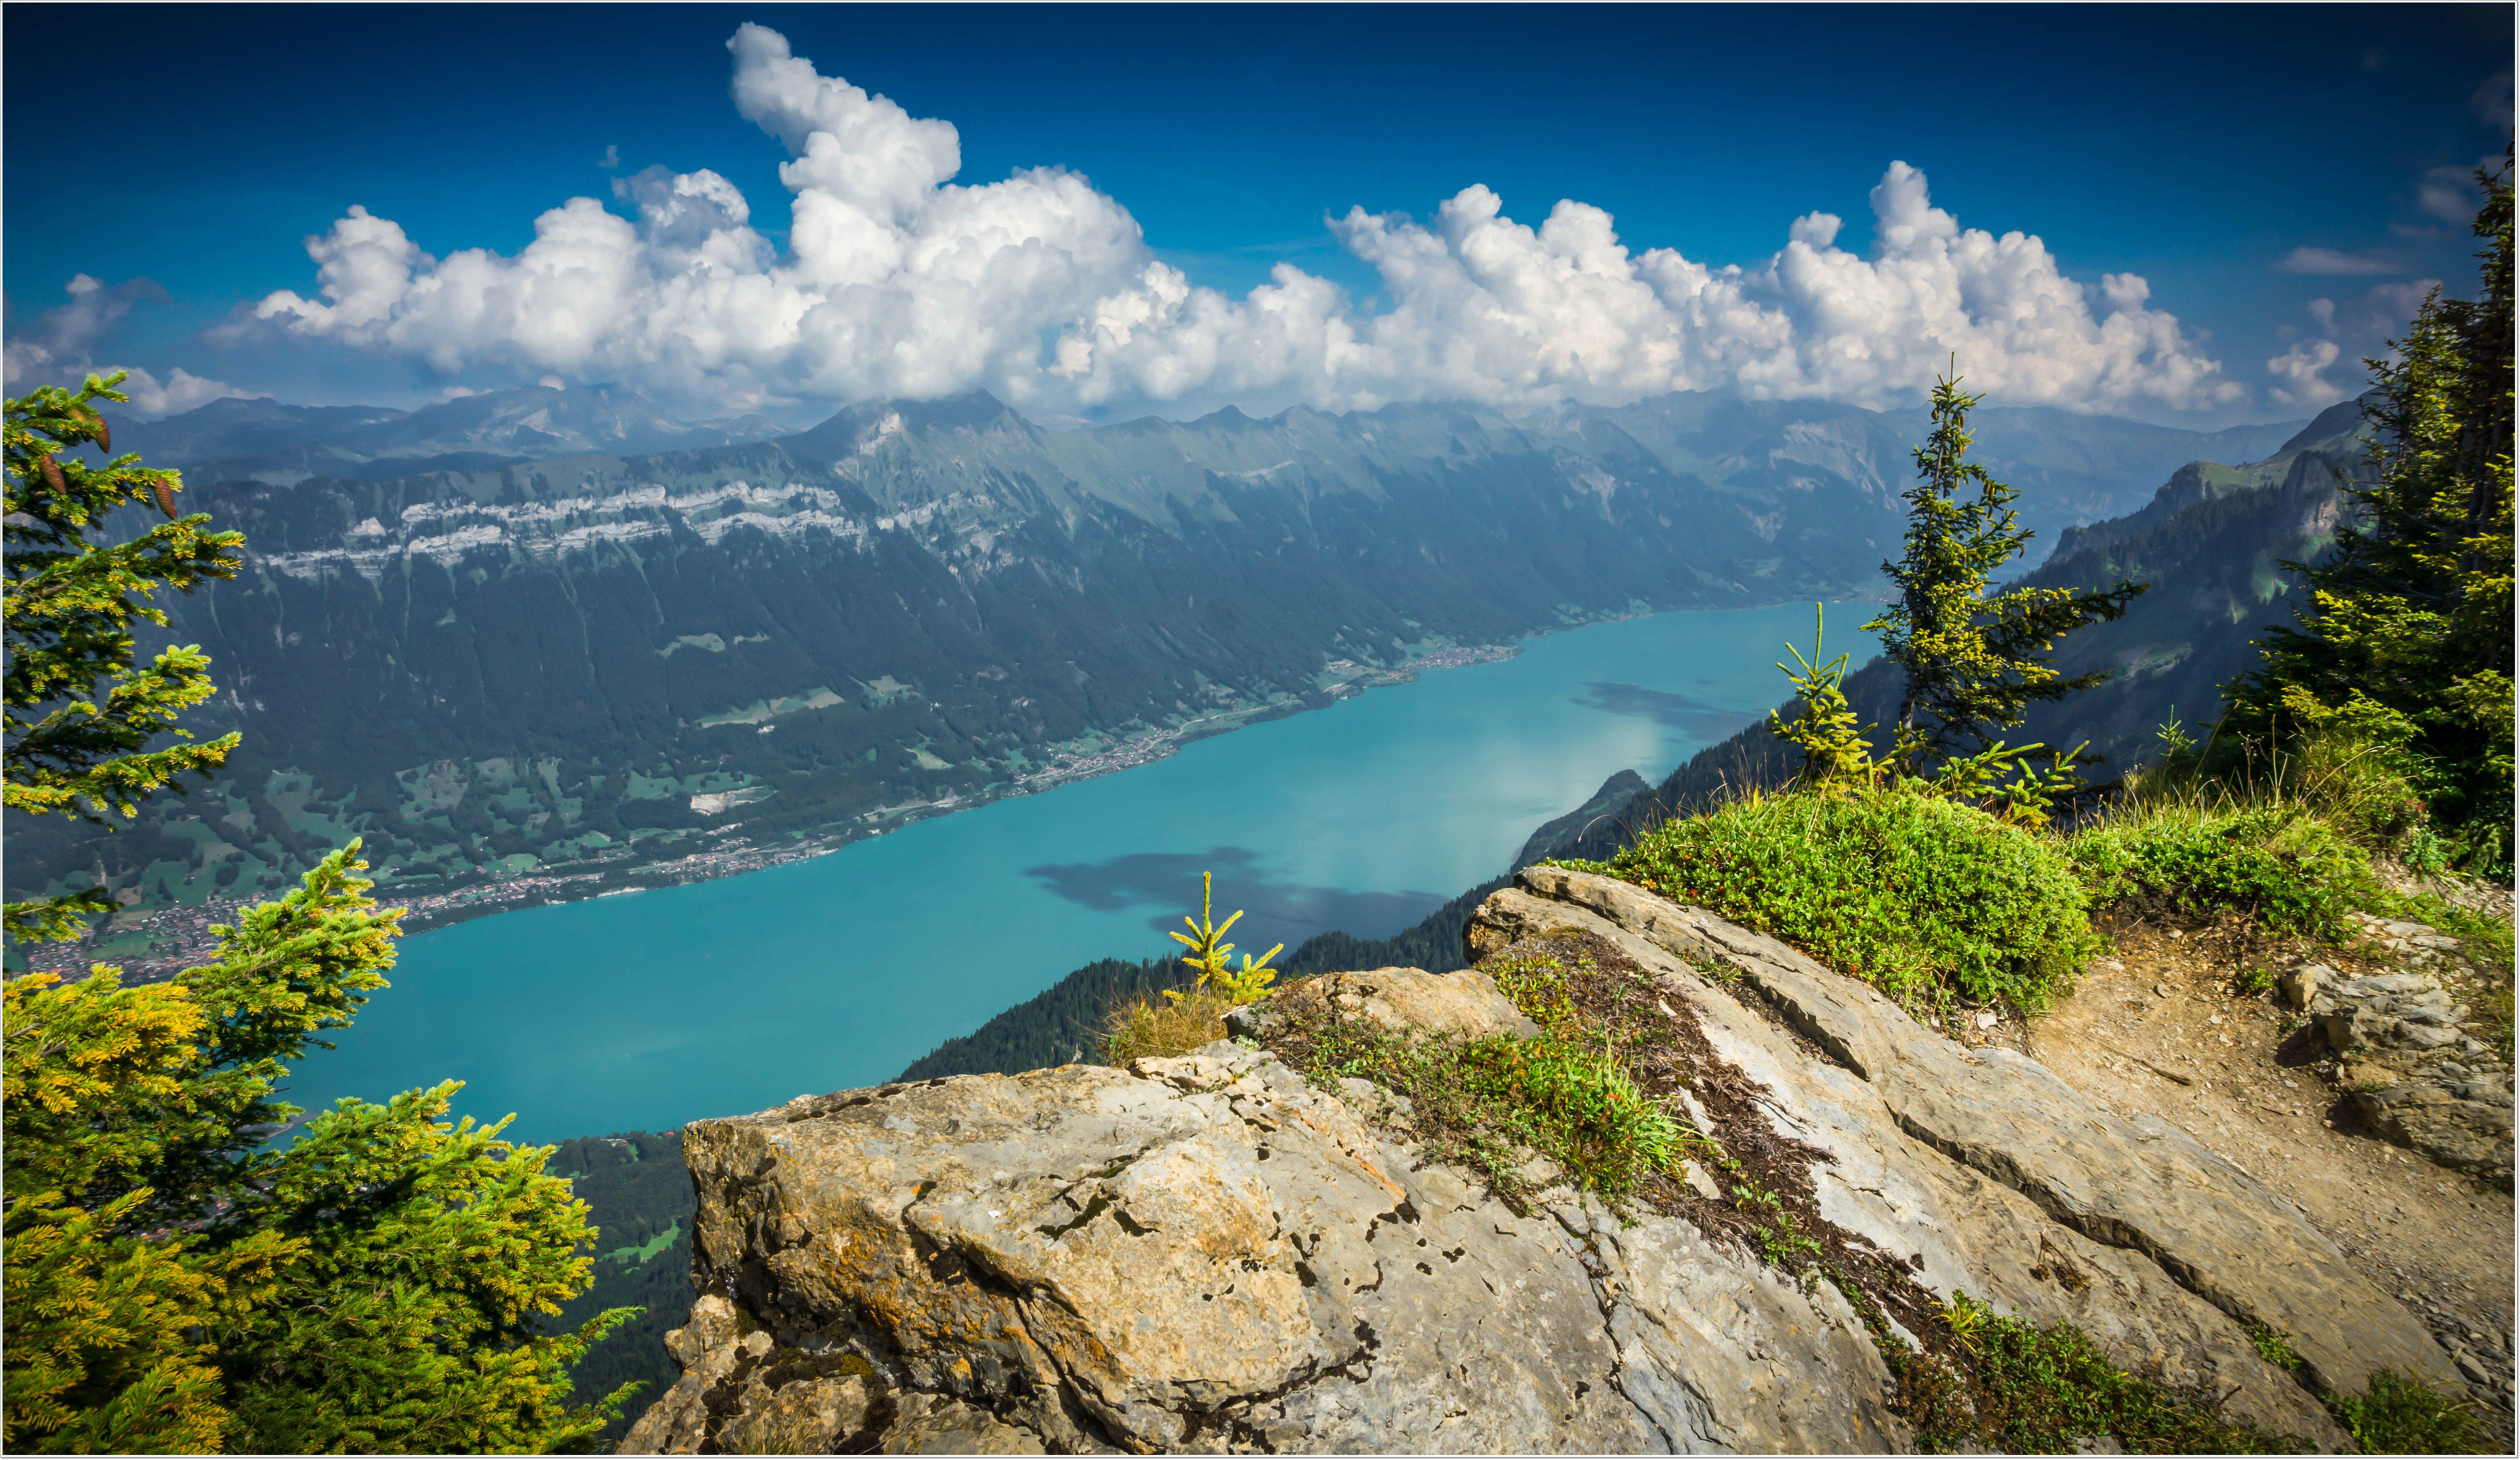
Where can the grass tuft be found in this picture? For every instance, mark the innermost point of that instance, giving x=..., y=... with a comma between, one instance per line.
x=2047, y=1391
x=1160, y=1029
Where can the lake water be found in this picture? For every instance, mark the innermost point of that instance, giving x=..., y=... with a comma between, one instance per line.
x=644, y=1011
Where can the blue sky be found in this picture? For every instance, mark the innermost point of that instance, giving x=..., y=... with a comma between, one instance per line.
x=2200, y=148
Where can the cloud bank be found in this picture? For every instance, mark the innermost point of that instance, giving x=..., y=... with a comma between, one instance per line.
x=898, y=281
x=61, y=346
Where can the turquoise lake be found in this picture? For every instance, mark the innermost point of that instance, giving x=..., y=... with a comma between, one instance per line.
x=644, y=1011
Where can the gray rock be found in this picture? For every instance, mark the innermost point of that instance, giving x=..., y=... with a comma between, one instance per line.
x=1209, y=1253
x=2464, y=1124
x=1198, y=1252
x=931, y=1425
x=2301, y=986
x=2140, y=1184
x=805, y=1417
x=1465, y=1003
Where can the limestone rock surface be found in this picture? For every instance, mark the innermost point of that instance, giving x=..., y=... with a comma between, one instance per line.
x=2418, y=1073
x=1465, y=1003
x=1210, y=1253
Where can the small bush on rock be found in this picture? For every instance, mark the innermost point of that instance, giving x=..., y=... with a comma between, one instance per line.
x=1926, y=898
x=2402, y=1416
x=1189, y=1018
x=2291, y=870
x=2033, y=1391
x=1570, y=1096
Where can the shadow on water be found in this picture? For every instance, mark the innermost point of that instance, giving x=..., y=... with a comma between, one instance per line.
x=1691, y=717
x=1274, y=912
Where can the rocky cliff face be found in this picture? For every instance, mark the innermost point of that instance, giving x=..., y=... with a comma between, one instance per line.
x=1215, y=1253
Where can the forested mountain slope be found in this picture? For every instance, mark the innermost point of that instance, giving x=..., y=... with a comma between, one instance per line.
x=2212, y=544
x=593, y=664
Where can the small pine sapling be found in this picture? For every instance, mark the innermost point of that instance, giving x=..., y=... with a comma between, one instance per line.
x=1208, y=953
x=1836, y=755
x=1838, y=758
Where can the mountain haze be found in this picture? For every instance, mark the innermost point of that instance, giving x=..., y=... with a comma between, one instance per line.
x=281, y=445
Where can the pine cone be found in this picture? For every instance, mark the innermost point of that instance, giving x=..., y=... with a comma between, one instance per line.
x=52, y=471
x=166, y=496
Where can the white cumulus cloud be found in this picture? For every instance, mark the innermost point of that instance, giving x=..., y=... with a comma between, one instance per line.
x=2299, y=376
x=2448, y=193
x=897, y=280
x=2302, y=378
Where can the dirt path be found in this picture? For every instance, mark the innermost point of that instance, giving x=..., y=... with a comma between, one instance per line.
x=2162, y=1027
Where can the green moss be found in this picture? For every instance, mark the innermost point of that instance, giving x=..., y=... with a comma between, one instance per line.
x=1924, y=897
x=2272, y=1347
x=2283, y=865
x=1483, y=1103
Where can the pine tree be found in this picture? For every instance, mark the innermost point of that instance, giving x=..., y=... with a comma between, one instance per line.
x=2406, y=636
x=172, y=1282
x=1972, y=662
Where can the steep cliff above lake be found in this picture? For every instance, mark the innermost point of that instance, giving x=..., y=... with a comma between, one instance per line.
x=1230, y=1252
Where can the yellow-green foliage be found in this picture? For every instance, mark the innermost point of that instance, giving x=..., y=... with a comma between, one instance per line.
x=2399, y=1415
x=1190, y=1017
x=1488, y=1103
x=1972, y=662
x=71, y=604
x=1208, y=953
x=2025, y=1390
x=1838, y=758
x=172, y=1282
x=2410, y=611
x=1923, y=897
x=2287, y=868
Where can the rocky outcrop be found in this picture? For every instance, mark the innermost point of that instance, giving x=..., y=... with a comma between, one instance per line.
x=1214, y=1254
x=2407, y=1053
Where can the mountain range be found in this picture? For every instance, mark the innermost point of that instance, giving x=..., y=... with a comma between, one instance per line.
x=264, y=440
x=499, y=652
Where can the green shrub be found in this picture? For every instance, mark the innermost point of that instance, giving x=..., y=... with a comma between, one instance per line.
x=2402, y=1416
x=2290, y=869
x=1486, y=1104
x=2031, y=1391
x=1921, y=897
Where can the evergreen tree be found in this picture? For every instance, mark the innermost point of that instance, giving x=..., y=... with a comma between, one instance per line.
x=68, y=626
x=172, y=1282
x=2406, y=636
x=1971, y=661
